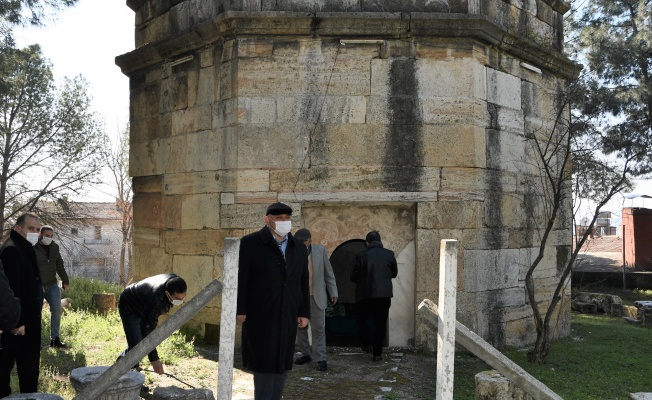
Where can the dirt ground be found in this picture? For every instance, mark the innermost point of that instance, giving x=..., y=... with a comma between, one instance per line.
x=351, y=374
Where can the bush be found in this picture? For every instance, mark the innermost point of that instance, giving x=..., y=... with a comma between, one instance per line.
x=81, y=292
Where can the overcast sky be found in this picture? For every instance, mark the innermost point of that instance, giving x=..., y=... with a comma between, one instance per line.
x=84, y=40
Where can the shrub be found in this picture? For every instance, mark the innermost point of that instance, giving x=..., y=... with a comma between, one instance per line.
x=81, y=292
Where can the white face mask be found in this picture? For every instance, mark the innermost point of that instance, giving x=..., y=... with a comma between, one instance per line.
x=283, y=227
x=46, y=240
x=32, y=237
x=175, y=302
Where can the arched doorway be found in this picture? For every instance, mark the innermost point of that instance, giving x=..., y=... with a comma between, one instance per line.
x=341, y=328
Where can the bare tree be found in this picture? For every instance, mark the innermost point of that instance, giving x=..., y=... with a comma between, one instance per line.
x=49, y=140
x=117, y=160
x=573, y=166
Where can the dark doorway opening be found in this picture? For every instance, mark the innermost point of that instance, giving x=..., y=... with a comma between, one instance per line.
x=341, y=325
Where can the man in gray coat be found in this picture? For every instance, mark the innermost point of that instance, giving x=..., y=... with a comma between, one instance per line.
x=322, y=279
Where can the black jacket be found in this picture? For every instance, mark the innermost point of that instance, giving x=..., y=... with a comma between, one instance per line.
x=9, y=305
x=19, y=262
x=373, y=272
x=147, y=300
x=272, y=293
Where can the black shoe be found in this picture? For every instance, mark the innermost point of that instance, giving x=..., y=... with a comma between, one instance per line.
x=367, y=349
x=302, y=360
x=377, y=358
x=57, y=343
x=321, y=365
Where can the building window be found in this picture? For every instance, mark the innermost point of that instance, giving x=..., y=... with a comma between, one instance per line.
x=98, y=233
x=74, y=231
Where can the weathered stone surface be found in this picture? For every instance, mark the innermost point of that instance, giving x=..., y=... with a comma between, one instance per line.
x=203, y=151
x=491, y=269
x=197, y=271
x=200, y=211
x=127, y=387
x=33, y=396
x=147, y=236
x=194, y=241
x=503, y=89
x=427, y=247
x=604, y=303
x=344, y=179
x=243, y=216
x=199, y=182
x=255, y=150
x=481, y=239
x=477, y=179
x=449, y=215
x=175, y=393
x=151, y=261
x=148, y=210
x=492, y=385
x=640, y=396
x=148, y=184
x=460, y=146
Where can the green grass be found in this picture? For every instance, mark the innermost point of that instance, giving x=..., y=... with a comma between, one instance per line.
x=81, y=292
x=92, y=340
x=603, y=358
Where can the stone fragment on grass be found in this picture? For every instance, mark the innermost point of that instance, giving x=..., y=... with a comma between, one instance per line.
x=175, y=393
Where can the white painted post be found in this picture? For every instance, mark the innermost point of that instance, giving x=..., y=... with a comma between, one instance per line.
x=446, y=323
x=227, y=320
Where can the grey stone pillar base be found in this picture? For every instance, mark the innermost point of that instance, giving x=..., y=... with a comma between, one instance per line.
x=126, y=388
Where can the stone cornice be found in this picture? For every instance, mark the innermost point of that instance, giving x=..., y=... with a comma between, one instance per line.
x=234, y=24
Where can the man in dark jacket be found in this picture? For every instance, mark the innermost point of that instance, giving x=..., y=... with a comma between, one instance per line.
x=9, y=305
x=373, y=272
x=22, y=344
x=50, y=264
x=140, y=305
x=273, y=300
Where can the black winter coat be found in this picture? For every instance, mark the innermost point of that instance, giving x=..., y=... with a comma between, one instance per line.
x=147, y=300
x=19, y=263
x=9, y=305
x=373, y=272
x=272, y=292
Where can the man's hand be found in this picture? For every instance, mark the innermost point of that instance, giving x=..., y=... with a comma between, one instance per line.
x=334, y=300
x=20, y=331
x=64, y=286
x=302, y=322
x=240, y=318
x=158, y=367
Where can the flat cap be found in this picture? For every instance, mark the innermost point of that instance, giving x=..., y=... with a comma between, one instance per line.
x=278, y=209
x=302, y=234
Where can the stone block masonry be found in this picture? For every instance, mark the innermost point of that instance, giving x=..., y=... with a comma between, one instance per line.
x=417, y=127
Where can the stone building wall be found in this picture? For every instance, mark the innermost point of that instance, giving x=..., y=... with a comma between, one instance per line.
x=420, y=132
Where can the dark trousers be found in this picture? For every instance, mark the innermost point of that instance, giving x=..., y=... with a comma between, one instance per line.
x=133, y=327
x=25, y=352
x=379, y=310
x=269, y=386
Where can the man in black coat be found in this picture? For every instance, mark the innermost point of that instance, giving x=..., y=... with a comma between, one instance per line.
x=373, y=272
x=140, y=305
x=22, y=344
x=9, y=305
x=273, y=300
